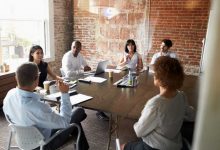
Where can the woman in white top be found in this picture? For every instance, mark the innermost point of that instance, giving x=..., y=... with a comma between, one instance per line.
x=131, y=59
x=162, y=117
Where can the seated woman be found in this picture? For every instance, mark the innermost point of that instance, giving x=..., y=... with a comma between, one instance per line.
x=131, y=59
x=162, y=117
x=36, y=55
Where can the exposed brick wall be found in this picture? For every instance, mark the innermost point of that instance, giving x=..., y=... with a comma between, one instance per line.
x=185, y=22
x=104, y=38
x=63, y=29
x=147, y=22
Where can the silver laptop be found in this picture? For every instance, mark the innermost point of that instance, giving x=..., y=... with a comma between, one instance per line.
x=102, y=65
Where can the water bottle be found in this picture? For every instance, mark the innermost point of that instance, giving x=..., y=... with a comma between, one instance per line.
x=130, y=78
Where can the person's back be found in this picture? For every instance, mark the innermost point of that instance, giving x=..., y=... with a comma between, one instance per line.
x=168, y=121
x=23, y=107
x=162, y=117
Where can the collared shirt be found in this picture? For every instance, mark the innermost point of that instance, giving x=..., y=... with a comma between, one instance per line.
x=161, y=120
x=71, y=64
x=155, y=56
x=25, y=109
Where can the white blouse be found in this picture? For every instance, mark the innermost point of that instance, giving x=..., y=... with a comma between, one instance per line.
x=133, y=62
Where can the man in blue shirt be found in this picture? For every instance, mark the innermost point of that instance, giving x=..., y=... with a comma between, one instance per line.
x=24, y=108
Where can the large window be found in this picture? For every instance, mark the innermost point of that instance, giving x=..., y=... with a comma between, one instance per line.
x=24, y=23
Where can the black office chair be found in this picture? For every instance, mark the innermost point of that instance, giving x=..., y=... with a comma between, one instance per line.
x=187, y=130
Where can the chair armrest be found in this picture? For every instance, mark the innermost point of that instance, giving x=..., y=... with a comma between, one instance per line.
x=72, y=125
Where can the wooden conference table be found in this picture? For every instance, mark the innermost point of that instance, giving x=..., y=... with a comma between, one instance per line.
x=128, y=102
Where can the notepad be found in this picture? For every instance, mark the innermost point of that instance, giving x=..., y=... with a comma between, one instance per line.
x=79, y=98
x=95, y=79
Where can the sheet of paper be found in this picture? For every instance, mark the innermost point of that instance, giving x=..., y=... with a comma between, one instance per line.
x=79, y=98
x=95, y=79
x=57, y=94
x=122, y=67
x=113, y=70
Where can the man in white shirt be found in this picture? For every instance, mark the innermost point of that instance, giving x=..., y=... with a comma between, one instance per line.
x=73, y=62
x=23, y=107
x=164, y=50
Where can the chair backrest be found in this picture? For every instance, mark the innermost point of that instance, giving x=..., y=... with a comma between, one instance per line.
x=62, y=72
x=27, y=137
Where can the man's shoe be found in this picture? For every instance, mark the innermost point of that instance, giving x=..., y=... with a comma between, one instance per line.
x=102, y=116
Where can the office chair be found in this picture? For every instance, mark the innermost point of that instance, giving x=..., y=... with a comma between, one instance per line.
x=30, y=137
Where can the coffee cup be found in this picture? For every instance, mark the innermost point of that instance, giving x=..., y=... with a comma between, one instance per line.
x=110, y=74
x=46, y=86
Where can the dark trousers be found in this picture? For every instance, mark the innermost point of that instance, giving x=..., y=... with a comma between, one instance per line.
x=138, y=145
x=78, y=115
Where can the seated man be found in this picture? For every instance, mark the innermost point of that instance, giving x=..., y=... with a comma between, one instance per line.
x=164, y=51
x=24, y=108
x=73, y=62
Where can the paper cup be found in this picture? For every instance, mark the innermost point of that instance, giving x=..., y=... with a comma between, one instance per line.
x=46, y=85
x=110, y=74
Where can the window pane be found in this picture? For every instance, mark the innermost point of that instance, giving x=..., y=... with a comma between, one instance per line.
x=17, y=36
x=22, y=24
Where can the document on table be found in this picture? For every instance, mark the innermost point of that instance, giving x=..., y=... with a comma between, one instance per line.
x=57, y=95
x=113, y=70
x=79, y=98
x=95, y=79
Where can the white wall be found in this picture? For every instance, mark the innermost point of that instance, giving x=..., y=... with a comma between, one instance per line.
x=207, y=130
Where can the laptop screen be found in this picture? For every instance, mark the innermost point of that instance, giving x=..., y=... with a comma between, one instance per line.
x=102, y=65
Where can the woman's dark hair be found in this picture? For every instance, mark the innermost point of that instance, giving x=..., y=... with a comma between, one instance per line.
x=167, y=42
x=32, y=50
x=169, y=72
x=130, y=41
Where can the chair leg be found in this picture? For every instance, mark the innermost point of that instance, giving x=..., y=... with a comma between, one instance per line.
x=9, y=141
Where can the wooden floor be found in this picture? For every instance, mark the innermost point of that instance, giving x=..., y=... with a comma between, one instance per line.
x=96, y=132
